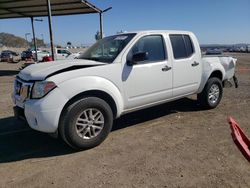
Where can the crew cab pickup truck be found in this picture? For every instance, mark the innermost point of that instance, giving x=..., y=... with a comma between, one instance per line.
x=80, y=98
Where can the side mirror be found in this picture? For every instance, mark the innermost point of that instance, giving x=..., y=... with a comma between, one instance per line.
x=137, y=57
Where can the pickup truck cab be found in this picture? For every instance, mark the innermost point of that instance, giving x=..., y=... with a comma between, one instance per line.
x=61, y=54
x=80, y=98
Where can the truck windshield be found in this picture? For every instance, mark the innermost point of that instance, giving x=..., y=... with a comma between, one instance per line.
x=107, y=49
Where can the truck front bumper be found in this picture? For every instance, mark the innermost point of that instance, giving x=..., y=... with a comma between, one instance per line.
x=42, y=114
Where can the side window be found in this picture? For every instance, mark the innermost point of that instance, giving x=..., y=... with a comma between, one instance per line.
x=178, y=46
x=153, y=45
x=189, y=45
x=182, y=46
x=66, y=52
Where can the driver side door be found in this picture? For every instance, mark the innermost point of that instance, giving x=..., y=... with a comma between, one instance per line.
x=148, y=81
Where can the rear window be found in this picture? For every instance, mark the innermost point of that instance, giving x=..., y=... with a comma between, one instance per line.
x=182, y=46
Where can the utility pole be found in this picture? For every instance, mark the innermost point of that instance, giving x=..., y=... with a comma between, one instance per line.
x=34, y=38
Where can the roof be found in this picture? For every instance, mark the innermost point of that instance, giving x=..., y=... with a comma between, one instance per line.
x=38, y=8
x=157, y=31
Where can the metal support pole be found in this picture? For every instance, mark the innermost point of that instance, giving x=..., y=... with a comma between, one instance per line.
x=101, y=25
x=50, y=29
x=34, y=38
x=101, y=20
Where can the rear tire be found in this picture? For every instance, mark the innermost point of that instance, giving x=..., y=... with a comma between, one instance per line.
x=211, y=95
x=86, y=123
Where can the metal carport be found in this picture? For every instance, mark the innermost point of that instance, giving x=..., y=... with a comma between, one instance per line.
x=48, y=8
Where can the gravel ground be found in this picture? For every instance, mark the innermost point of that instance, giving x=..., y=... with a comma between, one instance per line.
x=171, y=145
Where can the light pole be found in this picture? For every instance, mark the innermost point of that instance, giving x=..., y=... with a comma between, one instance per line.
x=33, y=31
x=42, y=38
x=26, y=34
x=101, y=20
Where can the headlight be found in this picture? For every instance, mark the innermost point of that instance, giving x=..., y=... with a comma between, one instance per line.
x=40, y=89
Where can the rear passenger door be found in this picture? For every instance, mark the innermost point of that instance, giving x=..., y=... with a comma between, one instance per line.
x=186, y=65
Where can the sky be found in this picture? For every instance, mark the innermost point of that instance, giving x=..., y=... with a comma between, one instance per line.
x=213, y=21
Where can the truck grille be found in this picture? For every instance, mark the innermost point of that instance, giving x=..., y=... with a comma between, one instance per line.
x=22, y=89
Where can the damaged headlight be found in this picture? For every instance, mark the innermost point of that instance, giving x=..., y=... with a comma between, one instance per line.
x=42, y=88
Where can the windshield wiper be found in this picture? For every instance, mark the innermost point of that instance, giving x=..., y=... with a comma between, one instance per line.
x=91, y=58
x=95, y=59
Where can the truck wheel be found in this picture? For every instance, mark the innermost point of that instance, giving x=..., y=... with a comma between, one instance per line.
x=86, y=123
x=211, y=95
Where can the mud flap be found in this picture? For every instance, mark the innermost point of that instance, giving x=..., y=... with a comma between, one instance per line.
x=236, y=83
x=240, y=139
x=230, y=82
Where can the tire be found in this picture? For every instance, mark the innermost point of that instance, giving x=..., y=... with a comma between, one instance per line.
x=211, y=95
x=79, y=130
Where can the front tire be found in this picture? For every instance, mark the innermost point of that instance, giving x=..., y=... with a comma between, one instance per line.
x=211, y=95
x=86, y=123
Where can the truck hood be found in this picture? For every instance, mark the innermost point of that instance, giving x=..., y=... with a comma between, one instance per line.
x=42, y=71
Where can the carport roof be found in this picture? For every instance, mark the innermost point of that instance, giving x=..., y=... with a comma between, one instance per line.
x=38, y=8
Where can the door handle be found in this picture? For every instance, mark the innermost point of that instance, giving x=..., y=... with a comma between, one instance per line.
x=195, y=64
x=166, y=68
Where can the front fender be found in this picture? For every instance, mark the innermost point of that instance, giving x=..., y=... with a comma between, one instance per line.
x=78, y=85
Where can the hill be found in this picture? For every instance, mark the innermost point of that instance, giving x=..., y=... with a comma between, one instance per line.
x=11, y=40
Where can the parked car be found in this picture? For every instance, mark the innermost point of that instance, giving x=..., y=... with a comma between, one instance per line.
x=213, y=52
x=80, y=98
x=74, y=55
x=27, y=55
x=6, y=57
x=11, y=52
x=41, y=54
x=248, y=48
x=61, y=53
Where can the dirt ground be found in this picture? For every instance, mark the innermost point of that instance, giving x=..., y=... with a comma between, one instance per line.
x=172, y=145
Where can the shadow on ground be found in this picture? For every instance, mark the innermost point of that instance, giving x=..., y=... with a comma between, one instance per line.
x=181, y=105
x=19, y=142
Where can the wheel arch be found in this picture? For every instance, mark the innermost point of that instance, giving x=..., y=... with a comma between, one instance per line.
x=93, y=93
x=217, y=74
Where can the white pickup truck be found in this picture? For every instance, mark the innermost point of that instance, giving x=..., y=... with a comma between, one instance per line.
x=80, y=98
